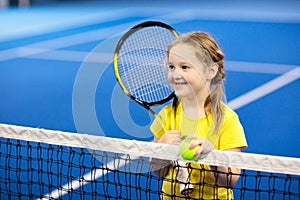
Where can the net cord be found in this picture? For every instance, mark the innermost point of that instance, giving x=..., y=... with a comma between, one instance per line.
x=249, y=161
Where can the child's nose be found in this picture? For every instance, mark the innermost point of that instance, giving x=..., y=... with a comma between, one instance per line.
x=177, y=73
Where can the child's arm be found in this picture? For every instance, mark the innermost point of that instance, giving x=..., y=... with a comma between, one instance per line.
x=226, y=176
x=161, y=167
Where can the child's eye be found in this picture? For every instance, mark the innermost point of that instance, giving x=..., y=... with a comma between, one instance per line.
x=171, y=67
x=184, y=67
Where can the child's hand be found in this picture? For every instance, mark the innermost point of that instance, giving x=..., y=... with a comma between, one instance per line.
x=170, y=137
x=206, y=146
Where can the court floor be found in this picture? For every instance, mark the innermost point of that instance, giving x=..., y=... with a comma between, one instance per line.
x=56, y=66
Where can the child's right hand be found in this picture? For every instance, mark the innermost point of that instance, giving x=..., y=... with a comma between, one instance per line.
x=206, y=146
x=170, y=137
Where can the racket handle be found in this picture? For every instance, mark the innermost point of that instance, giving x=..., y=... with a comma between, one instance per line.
x=183, y=177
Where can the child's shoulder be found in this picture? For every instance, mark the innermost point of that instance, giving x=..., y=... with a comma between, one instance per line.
x=229, y=112
x=168, y=109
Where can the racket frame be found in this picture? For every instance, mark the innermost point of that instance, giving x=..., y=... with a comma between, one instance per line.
x=134, y=29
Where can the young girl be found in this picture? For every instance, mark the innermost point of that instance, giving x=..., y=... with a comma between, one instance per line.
x=196, y=74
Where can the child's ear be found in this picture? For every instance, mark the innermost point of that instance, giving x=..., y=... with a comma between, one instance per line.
x=212, y=71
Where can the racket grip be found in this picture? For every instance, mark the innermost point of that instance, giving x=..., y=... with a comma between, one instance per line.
x=183, y=177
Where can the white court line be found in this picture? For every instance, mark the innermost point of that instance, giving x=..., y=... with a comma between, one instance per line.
x=88, y=177
x=255, y=67
x=265, y=89
x=106, y=57
x=63, y=42
x=72, y=56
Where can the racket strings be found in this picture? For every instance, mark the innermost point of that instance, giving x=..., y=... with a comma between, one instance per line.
x=142, y=66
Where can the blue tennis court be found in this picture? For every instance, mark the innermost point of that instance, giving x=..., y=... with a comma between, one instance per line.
x=56, y=67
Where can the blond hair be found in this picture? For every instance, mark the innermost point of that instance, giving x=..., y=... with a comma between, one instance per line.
x=209, y=52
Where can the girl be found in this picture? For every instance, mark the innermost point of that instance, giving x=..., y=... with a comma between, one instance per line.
x=195, y=73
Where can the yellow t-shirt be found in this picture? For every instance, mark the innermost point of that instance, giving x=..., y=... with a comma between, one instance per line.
x=231, y=135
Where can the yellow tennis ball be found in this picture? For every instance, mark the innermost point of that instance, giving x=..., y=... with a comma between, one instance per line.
x=186, y=152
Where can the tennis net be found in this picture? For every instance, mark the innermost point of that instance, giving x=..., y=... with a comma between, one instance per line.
x=46, y=164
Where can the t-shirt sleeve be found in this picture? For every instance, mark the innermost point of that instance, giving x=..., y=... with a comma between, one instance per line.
x=232, y=134
x=158, y=125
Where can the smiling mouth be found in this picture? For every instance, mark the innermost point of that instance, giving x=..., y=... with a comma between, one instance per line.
x=183, y=83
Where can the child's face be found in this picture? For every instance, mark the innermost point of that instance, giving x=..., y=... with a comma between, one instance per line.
x=186, y=72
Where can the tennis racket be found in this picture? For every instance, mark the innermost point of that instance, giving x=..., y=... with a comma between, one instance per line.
x=140, y=63
x=141, y=71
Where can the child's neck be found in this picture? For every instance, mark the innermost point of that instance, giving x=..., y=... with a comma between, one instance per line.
x=193, y=108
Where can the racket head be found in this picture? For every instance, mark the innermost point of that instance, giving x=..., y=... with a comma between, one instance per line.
x=140, y=63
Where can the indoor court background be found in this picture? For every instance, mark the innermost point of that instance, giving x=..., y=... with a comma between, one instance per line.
x=56, y=65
